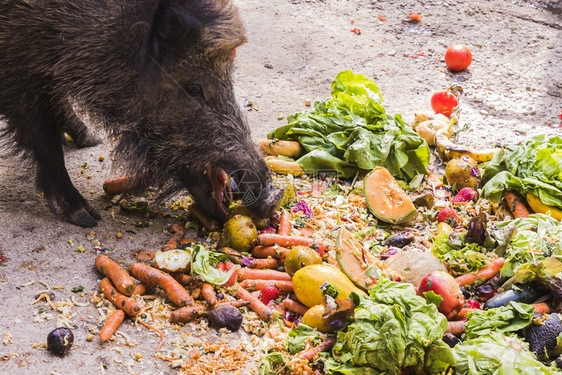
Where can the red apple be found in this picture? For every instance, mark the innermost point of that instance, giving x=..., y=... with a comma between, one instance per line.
x=446, y=286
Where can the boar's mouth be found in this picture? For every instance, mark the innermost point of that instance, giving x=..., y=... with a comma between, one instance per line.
x=221, y=191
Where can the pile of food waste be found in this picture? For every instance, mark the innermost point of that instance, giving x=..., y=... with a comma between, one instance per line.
x=376, y=263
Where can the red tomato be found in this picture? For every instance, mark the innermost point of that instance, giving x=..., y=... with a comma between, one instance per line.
x=444, y=102
x=458, y=57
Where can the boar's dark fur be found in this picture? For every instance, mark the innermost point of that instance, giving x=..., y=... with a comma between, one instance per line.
x=156, y=73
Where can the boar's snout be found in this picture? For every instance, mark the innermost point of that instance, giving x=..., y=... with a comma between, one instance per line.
x=256, y=189
x=266, y=207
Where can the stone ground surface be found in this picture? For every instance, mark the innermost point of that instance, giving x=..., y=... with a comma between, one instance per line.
x=295, y=48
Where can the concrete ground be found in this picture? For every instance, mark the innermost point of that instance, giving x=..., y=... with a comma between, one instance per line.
x=295, y=48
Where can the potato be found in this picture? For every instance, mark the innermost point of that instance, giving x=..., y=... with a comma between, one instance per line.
x=462, y=172
x=426, y=116
x=284, y=167
x=427, y=129
x=290, y=149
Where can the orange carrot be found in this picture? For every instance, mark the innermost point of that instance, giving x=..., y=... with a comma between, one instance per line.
x=181, y=278
x=485, y=273
x=195, y=292
x=465, y=311
x=306, y=232
x=282, y=285
x=325, y=346
x=174, y=290
x=295, y=306
x=118, y=276
x=140, y=289
x=255, y=274
x=123, y=184
x=265, y=263
x=284, y=223
x=515, y=204
x=255, y=304
x=112, y=322
x=542, y=308
x=127, y=304
x=237, y=304
x=269, y=239
x=208, y=293
x=187, y=314
x=270, y=251
x=457, y=327
x=179, y=231
x=209, y=224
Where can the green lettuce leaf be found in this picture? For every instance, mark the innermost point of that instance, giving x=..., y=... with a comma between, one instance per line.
x=204, y=263
x=271, y=364
x=432, y=297
x=510, y=318
x=351, y=131
x=534, y=166
x=497, y=354
x=535, y=238
x=547, y=272
x=469, y=258
x=392, y=328
x=297, y=338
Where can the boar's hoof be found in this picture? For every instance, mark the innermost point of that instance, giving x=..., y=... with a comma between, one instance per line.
x=83, y=217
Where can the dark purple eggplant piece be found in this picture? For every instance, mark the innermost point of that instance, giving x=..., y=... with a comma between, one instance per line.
x=399, y=240
x=59, y=341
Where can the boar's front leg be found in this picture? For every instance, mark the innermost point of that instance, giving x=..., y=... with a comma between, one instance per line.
x=76, y=129
x=38, y=129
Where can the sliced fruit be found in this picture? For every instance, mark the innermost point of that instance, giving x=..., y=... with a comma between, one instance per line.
x=386, y=199
x=307, y=282
x=362, y=267
x=537, y=206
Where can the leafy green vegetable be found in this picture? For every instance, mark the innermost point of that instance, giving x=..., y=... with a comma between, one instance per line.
x=432, y=297
x=351, y=131
x=271, y=363
x=548, y=272
x=297, y=338
x=536, y=237
x=392, y=329
x=204, y=263
x=497, y=354
x=461, y=259
x=534, y=166
x=510, y=318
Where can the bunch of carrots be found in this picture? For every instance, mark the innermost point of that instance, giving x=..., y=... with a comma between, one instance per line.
x=194, y=297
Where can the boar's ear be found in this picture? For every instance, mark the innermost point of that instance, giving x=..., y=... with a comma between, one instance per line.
x=174, y=26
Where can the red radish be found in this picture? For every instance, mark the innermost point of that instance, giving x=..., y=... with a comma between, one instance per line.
x=446, y=286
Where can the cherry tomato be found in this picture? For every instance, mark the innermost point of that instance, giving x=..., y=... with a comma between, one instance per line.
x=458, y=57
x=444, y=102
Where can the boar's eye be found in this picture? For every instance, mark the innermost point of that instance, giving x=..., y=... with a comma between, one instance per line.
x=194, y=89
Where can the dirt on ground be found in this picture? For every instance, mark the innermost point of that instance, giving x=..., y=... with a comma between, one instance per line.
x=295, y=48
